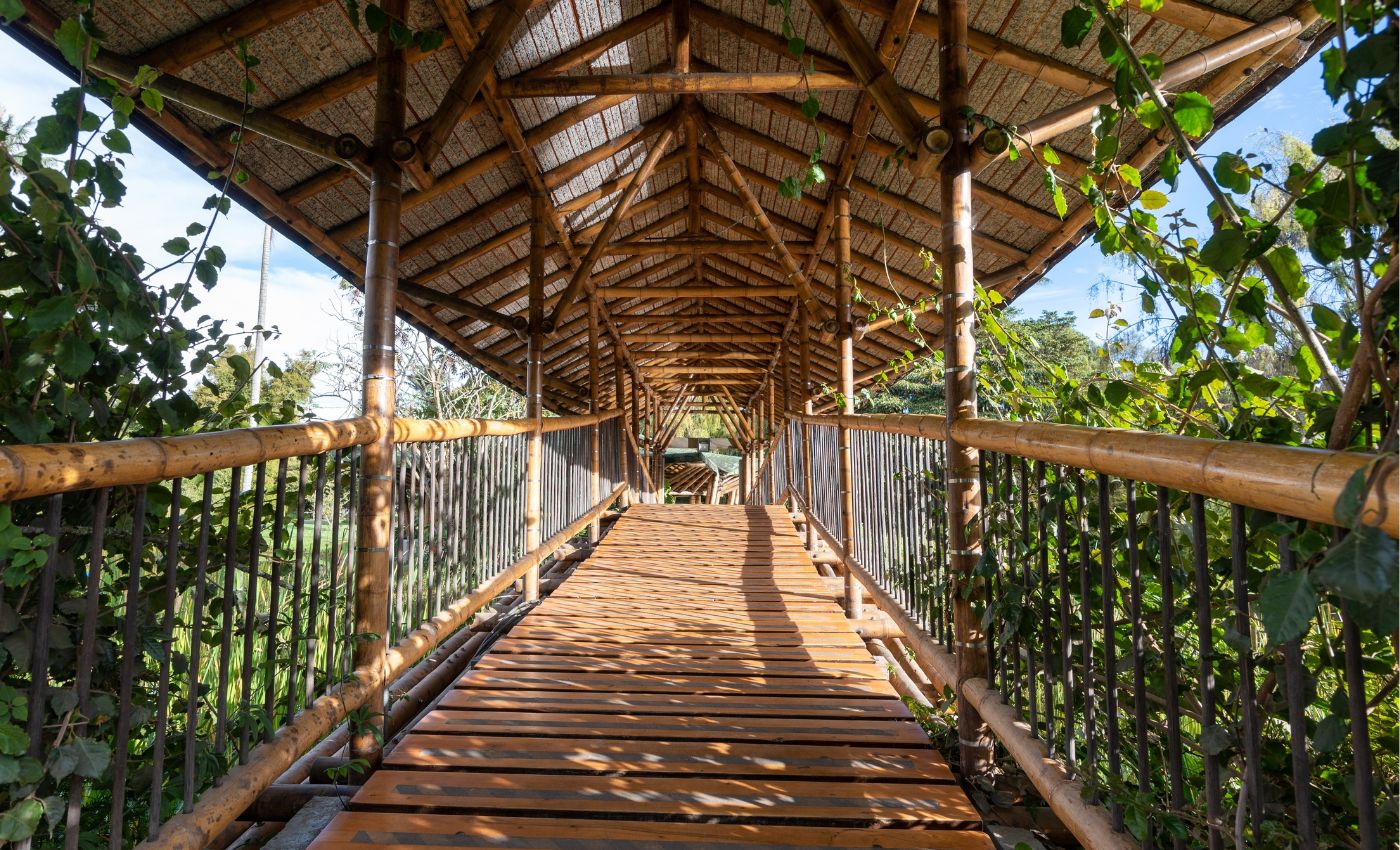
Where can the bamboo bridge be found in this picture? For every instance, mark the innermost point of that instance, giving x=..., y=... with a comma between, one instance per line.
x=496, y=633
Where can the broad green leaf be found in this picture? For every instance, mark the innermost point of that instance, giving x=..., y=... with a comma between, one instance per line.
x=177, y=246
x=1361, y=567
x=1075, y=25
x=1170, y=167
x=811, y=107
x=73, y=356
x=1225, y=250
x=1193, y=113
x=1130, y=175
x=73, y=43
x=51, y=313
x=87, y=757
x=13, y=741
x=1153, y=199
x=375, y=19
x=1284, y=261
x=1287, y=603
x=796, y=46
x=21, y=820
x=1148, y=115
x=1215, y=740
x=153, y=99
x=11, y=10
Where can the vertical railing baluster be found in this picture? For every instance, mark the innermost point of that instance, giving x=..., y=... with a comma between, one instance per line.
x=131, y=651
x=172, y=593
x=1206, y=670
x=1169, y=659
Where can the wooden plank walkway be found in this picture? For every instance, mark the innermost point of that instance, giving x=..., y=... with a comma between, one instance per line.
x=693, y=685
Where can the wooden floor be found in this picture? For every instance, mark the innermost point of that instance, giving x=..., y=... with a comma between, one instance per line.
x=692, y=685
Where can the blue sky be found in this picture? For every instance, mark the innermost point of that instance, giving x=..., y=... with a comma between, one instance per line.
x=164, y=195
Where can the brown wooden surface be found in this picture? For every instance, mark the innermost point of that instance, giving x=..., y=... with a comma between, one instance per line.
x=693, y=684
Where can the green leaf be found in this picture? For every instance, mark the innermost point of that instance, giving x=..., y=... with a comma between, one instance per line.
x=177, y=246
x=796, y=46
x=1153, y=199
x=1170, y=167
x=1130, y=175
x=789, y=187
x=21, y=820
x=1284, y=261
x=811, y=107
x=1193, y=113
x=73, y=43
x=116, y=141
x=1049, y=155
x=153, y=99
x=87, y=757
x=1075, y=26
x=1232, y=172
x=1148, y=115
x=74, y=356
x=1287, y=603
x=1151, y=62
x=1361, y=567
x=1330, y=733
x=375, y=19
x=1225, y=250
x=51, y=313
x=11, y=10
x=13, y=741
x=1215, y=740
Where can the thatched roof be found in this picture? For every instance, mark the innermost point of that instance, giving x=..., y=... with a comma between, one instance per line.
x=466, y=235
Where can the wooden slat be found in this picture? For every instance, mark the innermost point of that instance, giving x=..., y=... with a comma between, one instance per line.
x=694, y=668
x=760, y=800
x=791, y=730
x=358, y=831
x=637, y=758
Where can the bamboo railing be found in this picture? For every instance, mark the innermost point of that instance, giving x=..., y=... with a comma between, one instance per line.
x=191, y=602
x=1129, y=675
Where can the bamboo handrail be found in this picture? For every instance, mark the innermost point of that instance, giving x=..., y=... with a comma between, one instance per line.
x=1303, y=483
x=441, y=430
x=240, y=787
x=44, y=469
x=48, y=468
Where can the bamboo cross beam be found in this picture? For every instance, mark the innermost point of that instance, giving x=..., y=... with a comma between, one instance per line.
x=671, y=83
x=700, y=371
x=461, y=305
x=222, y=33
x=470, y=79
x=710, y=138
x=1176, y=73
x=879, y=83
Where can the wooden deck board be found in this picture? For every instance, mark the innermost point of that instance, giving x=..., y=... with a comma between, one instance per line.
x=693, y=685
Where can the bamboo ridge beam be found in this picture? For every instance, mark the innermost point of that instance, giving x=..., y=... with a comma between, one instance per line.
x=674, y=84
x=705, y=337
x=703, y=246
x=698, y=293
x=223, y=33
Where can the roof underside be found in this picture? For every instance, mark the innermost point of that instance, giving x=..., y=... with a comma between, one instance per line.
x=467, y=234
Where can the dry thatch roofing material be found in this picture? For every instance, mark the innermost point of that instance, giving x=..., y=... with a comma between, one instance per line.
x=466, y=236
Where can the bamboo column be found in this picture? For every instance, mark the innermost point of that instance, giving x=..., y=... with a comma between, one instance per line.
x=534, y=386
x=960, y=379
x=595, y=391
x=619, y=381
x=847, y=356
x=374, y=537
x=805, y=375
x=789, y=410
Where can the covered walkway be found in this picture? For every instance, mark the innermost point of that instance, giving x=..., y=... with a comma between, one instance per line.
x=694, y=682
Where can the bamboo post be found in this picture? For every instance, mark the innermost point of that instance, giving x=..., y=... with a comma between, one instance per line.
x=789, y=407
x=595, y=528
x=805, y=356
x=534, y=385
x=960, y=380
x=374, y=535
x=619, y=393
x=845, y=341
